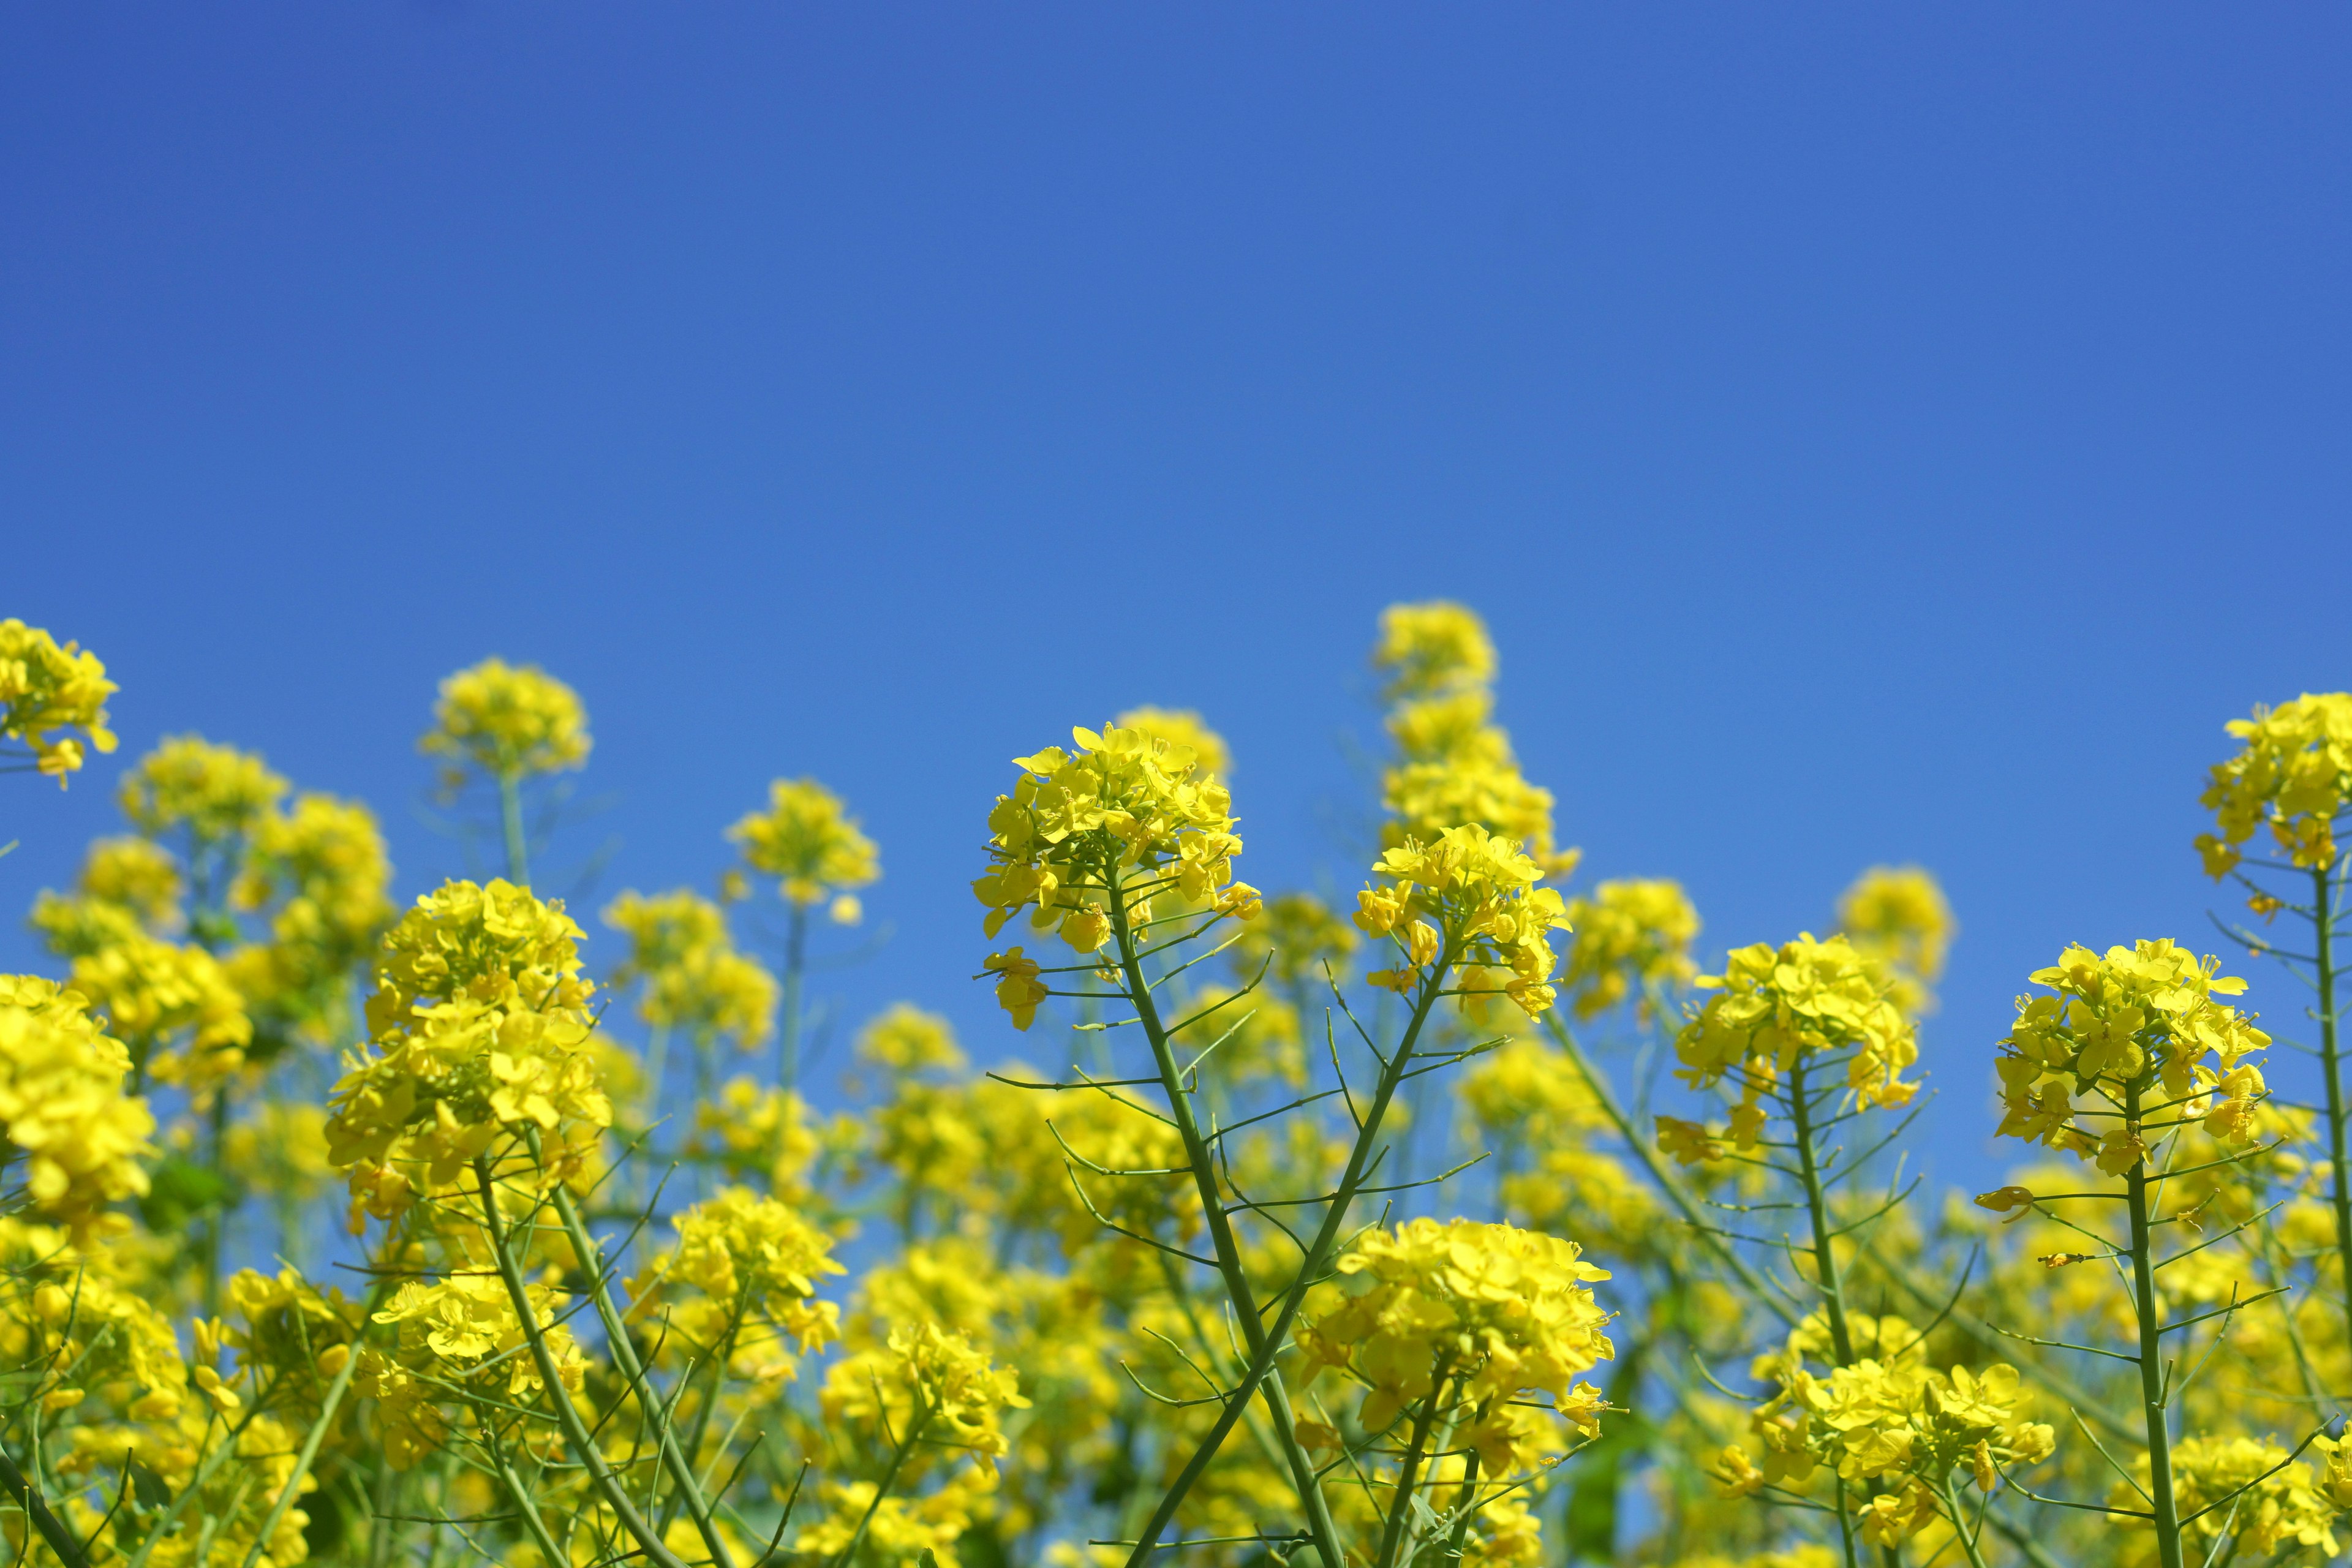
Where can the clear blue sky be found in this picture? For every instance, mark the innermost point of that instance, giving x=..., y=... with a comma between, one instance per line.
x=1875, y=433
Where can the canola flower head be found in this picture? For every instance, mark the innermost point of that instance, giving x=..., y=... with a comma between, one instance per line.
x=1433, y=647
x=2285, y=1506
x=47, y=687
x=480, y=1027
x=1773, y=1006
x=215, y=793
x=174, y=1004
x=689, y=973
x=62, y=1104
x=127, y=886
x=1630, y=936
x=320, y=872
x=452, y=1336
x=807, y=840
x=1465, y=911
x=930, y=1378
x=905, y=1038
x=507, y=721
x=2120, y=1022
x=1898, y=915
x=2293, y=776
x=1297, y=937
x=752, y=1258
x=1212, y=758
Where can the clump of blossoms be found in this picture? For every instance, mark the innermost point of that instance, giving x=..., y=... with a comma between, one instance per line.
x=46, y=687
x=2137, y=1019
x=1094, y=836
x=2294, y=776
x=751, y=1260
x=1433, y=647
x=1886, y=1422
x=1183, y=727
x=457, y=1338
x=1898, y=915
x=2245, y=1491
x=62, y=1105
x=322, y=873
x=1465, y=909
x=809, y=843
x=213, y=792
x=1776, y=1008
x=480, y=1027
x=691, y=976
x=174, y=1004
x=1630, y=936
x=507, y=721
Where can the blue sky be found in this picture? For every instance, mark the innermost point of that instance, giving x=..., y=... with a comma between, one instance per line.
x=1873, y=432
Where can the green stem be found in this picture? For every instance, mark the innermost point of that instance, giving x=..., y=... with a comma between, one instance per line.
x=1408, y=1473
x=317, y=1433
x=1460, y=1539
x=51, y=1527
x=510, y=820
x=1969, y=1543
x=788, y=1037
x=576, y=1434
x=2153, y=1397
x=882, y=1488
x=2331, y=1062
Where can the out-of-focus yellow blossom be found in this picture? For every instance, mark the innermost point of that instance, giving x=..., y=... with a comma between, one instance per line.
x=280, y=1147
x=1531, y=1100
x=321, y=872
x=2295, y=774
x=81, y=1334
x=1807, y=1555
x=751, y=1130
x=215, y=793
x=2136, y=1018
x=1482, y=1314
x=509, y=721
x=62, y=1107
x=174, y=1004
x=481, y=1025
x=1773, y=1006
x=1629, y=936
x=1433, y=647
x=2286, y=1508
x=1125, y=811
x=1036, y=1151
x=456, y=1336
x=1261, y=1032
x=1183, y=727
x=46, y=687
x=1469, y=900
x=900, y=1530
x=1898, y=915
x=691, y=976
x=758, y=1259
x=807, y=840
x=296, y=1333
x=1295, y=941
x=905, y=1038
x=137, y=877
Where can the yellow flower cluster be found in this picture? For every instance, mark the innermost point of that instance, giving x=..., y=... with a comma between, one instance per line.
x=1889, y=1420
x=1124, y=811
x=509, y=721
x=751, y=1131
x=83, y=1332
x=321, y=872
x=174, y=1004
x=2294, y=774
x=1465, y=906
x=1775, y=1006
x=457, y=1336
x=62, y=1105
x=1898, y=915
x=46, y=687
x=2118, y=1025
x=1455, y=764
x=692, y=976
x=905, y=1038
x=481, y=1025
x=757, y=1259
x=1528, y=1097
x=2287, y=1507
x=1630, y=936
x=1297, y=937
x=215, y=793
x=1211, y=759
x=299, y=1335
x=1477, y=1315
x=807, y=840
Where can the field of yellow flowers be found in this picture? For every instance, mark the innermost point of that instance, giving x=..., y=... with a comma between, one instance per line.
x=1303, y=1235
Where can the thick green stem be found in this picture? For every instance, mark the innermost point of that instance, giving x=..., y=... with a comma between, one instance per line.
x=1202, y=1161
x=2323, y=887
x=1409, y=1473
x=51, y=1527
x=882, y=1488
x=510, y=820
x=1969, y=1543
x=2153, y=1397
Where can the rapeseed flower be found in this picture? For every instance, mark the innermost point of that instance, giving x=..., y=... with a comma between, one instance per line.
x=46, y=687
x=510, y=722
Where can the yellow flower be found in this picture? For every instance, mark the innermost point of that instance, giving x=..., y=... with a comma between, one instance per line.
x=754, y=1258
x=461, y=1332
x=45, y=687
x=174, y=1004
x=2294, y=774
x=62, y=1105
x=1299, y=936
x=216, y=792
x=1774, y=1005
x=1629, y=936
x=1689, y=1142
x=690, y=974
x=807, y=840
x=1487, y=920
x=1897, y=915
x=509, y=721
x=322, y=872
x=2282, y=1508
x=1437, y=645
x=1182, y=726
x=905, y=1039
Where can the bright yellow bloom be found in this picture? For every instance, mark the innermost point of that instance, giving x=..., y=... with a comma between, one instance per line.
x=755, y=1263
x=1629, y=936
x=460, y=1330
x=2294, y=774
x=928, y=1381
x=808, y=841
x=1438, y=646
x=1470, y=900
x=2283, y=1511
x=509, y=721
x=691, y=975
x=174, y=1004
x=1897, y=915
x=1774, y=1005
x=905, y=1039
x=321, y=871
x=1183, y=727
x=481, y=1025
x=754, y=1130
x=216, y=792
x=2119, y=1025
x=45, y=687
x=127, y=886
x=62, y=1105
